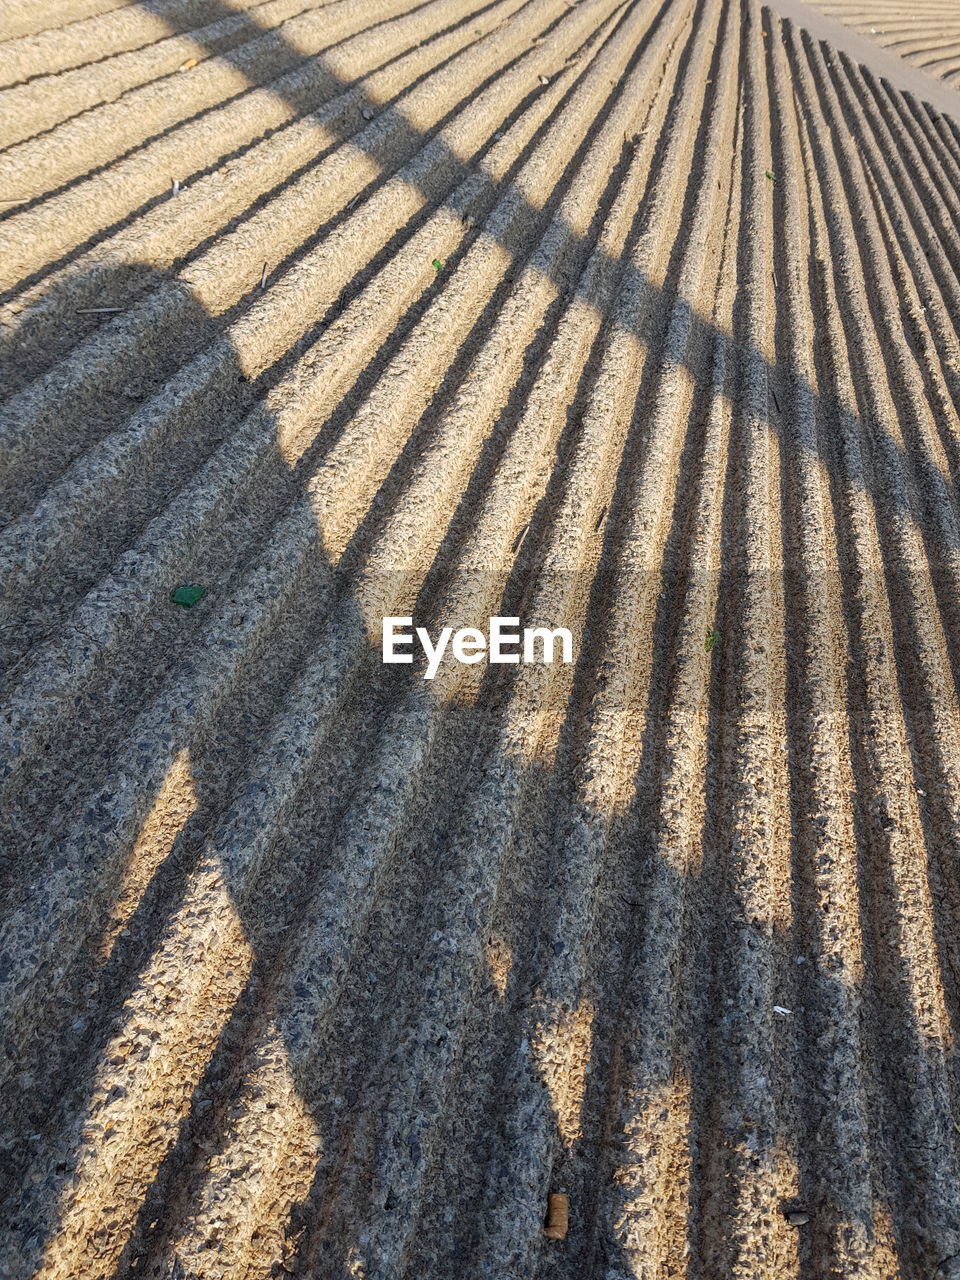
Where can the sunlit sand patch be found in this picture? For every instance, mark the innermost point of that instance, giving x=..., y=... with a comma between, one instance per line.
x=652, y=1183
x=261, y=1168
x=499, y=957
x=355, y=1267
x=175, y=803
x=562, y=1048
x=882, y=1241
x=144, y=1084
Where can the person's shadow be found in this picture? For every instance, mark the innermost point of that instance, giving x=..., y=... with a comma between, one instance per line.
x=169, y=764
x=221, y=807
x=188, y=773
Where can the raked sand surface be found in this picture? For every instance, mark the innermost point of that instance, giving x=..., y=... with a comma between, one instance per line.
x=637, y=317
x=925, y=32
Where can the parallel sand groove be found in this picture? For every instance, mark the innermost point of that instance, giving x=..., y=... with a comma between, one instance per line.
x=311, y=967
x=925, y=32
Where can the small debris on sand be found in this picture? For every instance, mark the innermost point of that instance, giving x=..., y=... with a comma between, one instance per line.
x=558, y=1215
x=187, y=595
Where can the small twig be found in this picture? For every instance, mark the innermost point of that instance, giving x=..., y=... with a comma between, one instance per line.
x=263, y=277
x=97, y=311
x=775, y=400
x=600, y=519
x=520, y=537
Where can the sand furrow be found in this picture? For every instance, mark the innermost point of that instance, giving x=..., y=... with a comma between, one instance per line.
x=628, y=317
x=574, y=111
x=46, y=101
x=923, y=33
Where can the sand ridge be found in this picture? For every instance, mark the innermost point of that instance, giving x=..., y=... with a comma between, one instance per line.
x=629, y=317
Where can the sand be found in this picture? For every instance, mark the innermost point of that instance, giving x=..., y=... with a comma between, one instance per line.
x=634, y=318
x=926, y=33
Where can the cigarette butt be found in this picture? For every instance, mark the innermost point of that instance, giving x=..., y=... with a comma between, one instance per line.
x=558, y=1216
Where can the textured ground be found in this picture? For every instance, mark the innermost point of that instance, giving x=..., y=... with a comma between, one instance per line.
x=637, y=317
x=925, y=32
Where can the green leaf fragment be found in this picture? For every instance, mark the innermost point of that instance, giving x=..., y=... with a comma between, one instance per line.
x=187, y=595
x=770, y=176
x=437, y=264
x=712, y=638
